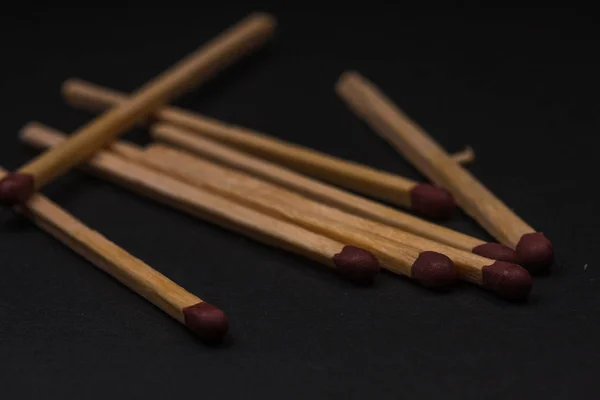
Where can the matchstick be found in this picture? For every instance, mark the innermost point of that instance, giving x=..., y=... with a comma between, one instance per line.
x=508, y=280
x=533, y=249
x=204, y=320
x=17, y=187
x=465, y=156
x=428, y=268
x=422, y=198
x=349, y=261
x=425, y=261
x=327, y=194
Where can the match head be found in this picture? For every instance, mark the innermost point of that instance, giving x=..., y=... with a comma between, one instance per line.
x=206, y=321
x=535, y=252
x=432, y=201
x=16, y=188
x=434, y=270
x=356, y=264
x=510, y=281
x=496, y=251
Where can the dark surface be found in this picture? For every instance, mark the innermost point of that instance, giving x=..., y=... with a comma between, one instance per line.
x=521, y=87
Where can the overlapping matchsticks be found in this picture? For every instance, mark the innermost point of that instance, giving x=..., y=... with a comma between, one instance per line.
x=275, y=192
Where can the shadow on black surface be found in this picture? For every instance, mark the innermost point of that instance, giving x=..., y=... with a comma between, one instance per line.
x=228, y=342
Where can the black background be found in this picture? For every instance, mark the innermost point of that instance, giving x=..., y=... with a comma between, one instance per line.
x=521, y=86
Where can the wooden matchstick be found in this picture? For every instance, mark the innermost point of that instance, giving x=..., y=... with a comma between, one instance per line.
x=327, y=194
x=349, y=261
x=203, y=319
x=17, y=187
x=465, y=156
x=508, y=280
x=428, y=268
x=533, y=249
x=423, y=198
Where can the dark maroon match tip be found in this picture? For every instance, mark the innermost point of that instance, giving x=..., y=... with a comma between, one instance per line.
x=496, y=251
x=356, y=264
x=510, y=281
x=16, y=188
x=432, y=201
x=535, y=252
x=434, y=269
x=206, y=321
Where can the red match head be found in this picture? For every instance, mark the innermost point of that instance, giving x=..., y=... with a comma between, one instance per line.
x=496, y=251
x=434, y=270
x=535, y=252
x=16, y=188
x=510, y=281
x=356, y=264
x=432, y=201
x=206, y=321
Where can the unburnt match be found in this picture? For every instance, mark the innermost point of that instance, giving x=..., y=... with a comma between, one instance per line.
x=428, y=268
x=17, y=187
x=203, y=319
x=327, y=194
x=508, y=280
x=93, y=97
x=349, y=261
x=426, y=199
x=533, y=249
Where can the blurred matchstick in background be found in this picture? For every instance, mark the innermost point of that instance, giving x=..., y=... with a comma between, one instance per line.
x=17, y=187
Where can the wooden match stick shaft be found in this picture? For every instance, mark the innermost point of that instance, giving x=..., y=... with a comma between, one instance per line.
x=375, y=183
x=318, y=217
x=127, y=269
x=351, y=262
x=182, y=76
x=325, y=193
x=368, y=102
x=278, y=202
x=465, y=156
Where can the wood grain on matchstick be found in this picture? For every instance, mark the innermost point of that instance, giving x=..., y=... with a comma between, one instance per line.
x=534, y=251
x=318, y=217
x=350, y=261
x=16, y=188
x=205, y=320
x=325, y=193
x=422, y=198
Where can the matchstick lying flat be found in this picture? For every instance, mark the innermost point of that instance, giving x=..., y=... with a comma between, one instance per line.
x=428, y=268
x=205, y=320
x=533, y=249
x=16, y=188
x=423, y=198
x=351, y=262
x=508, y=280
x=328, y=194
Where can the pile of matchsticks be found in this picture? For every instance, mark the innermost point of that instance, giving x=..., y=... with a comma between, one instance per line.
x=275, y=192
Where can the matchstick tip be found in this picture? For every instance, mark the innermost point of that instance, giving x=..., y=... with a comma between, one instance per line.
x=510, y=281
x=16, y=188
x=434, y=269
x=206, y=321
x=535, y=252
x=356, y=264
x=496, y=251
x=432, y=201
